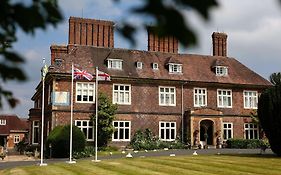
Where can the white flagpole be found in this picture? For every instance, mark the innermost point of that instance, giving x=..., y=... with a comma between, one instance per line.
x=71, y=116
x=42, y=118
x=96, y=133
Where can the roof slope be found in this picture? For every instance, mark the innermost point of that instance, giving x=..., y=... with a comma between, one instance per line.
x=13, y=123
x=197, y=68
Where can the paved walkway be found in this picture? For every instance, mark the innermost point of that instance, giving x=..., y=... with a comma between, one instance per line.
x=22, y=160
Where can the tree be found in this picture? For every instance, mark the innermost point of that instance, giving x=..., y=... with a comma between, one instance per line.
x=269, y=113
x=27, y=17
x=275, y=78
x=106, y=112
x=168, y=18
x=59, y=140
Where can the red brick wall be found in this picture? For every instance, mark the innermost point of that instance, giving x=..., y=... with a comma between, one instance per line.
x=161, y=44
x=91, y=32
x=219, y=44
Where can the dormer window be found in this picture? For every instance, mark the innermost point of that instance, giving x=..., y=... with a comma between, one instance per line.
x=115, y=64
x=175, y=68
x=139, y=65
x=155, y=66
x=2, y=122
x=221, y=70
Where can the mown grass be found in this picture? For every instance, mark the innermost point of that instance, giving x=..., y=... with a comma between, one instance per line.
x=195, y=165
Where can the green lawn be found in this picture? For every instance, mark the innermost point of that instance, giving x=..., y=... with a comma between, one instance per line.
x=195, y=165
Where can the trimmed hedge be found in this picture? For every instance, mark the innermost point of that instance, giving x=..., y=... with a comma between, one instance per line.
x=59, y=139
x=246, y=143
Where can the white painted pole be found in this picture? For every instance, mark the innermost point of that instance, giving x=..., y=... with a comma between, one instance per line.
x=96, y=124
x=71, y=116
x=42, y=116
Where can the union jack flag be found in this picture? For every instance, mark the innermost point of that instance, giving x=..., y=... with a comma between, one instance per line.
x=80, y=74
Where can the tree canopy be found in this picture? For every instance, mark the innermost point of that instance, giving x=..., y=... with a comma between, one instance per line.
x=106, y=112
x=269, y=114
x=28, y=17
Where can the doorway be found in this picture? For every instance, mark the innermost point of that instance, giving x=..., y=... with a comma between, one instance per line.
x=206, y=131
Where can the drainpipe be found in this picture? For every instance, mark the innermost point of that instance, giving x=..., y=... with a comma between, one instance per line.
x=182, y=112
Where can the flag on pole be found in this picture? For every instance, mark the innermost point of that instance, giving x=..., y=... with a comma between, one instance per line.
x=44, y=71
x=80, y=74
x=102, y=76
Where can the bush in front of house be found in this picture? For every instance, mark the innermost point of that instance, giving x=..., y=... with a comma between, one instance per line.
x=246, y=143
x=144, y=140
x=59, y=141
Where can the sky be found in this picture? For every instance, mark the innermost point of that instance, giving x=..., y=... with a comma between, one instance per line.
x=253, y=28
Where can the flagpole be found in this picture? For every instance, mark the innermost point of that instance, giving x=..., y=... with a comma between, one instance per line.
x=71, y=116
x=96, y=128
x=42, y=116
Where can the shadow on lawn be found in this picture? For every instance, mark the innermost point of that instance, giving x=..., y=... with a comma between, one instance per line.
x=264, y=155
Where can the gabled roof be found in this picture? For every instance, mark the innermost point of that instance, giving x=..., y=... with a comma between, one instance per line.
x=195, y=68
x=13, y=123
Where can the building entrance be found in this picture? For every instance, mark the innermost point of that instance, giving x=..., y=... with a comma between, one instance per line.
x=206, y=132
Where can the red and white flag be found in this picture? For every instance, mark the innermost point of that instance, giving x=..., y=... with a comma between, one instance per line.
x=80, y=74
x=103, y=76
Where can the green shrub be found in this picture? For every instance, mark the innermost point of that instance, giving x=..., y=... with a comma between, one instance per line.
x=21, y=146
x=59, y=141
x=89, y=151
x=146, y=141
x=246, y=143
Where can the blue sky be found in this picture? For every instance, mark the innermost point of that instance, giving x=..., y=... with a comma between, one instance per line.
x=253, y=28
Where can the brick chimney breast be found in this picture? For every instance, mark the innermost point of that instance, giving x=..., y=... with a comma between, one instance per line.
x=161, y=44
x=219, y=44
x=91, y=32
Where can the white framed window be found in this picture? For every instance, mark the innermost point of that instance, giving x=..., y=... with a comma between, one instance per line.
x=221, y=70
x=251, y=131
x=167, y=131
x=155, y=66
x=115, y=64
x=200, y=97
x=122, y=131
x=224, y=98
x=139, y=65
x=86, y=126
x=35, y=132
x=227, y=130
x=250, y=99
x=85, y=92
x=16, y=138
x=175, y=68
x=167, y=96
x=122, y=94
x=2, y=121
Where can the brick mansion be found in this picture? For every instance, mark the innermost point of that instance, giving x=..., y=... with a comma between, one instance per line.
x=191, y=97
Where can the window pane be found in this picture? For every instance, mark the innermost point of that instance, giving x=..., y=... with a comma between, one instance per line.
x=168, y=134
x=162, y=134
x=126, y=124
x=115, y=134
x=90, y=134
x=121, y=134
x=127, y=133
x=115, y=124
x=172, y=134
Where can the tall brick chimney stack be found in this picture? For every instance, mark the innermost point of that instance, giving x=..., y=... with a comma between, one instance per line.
x=91, y=32
x=161, y=44
x=219, y=44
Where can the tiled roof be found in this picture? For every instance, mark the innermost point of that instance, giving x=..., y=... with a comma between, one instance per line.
x=13, y=123
x=196, y=68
